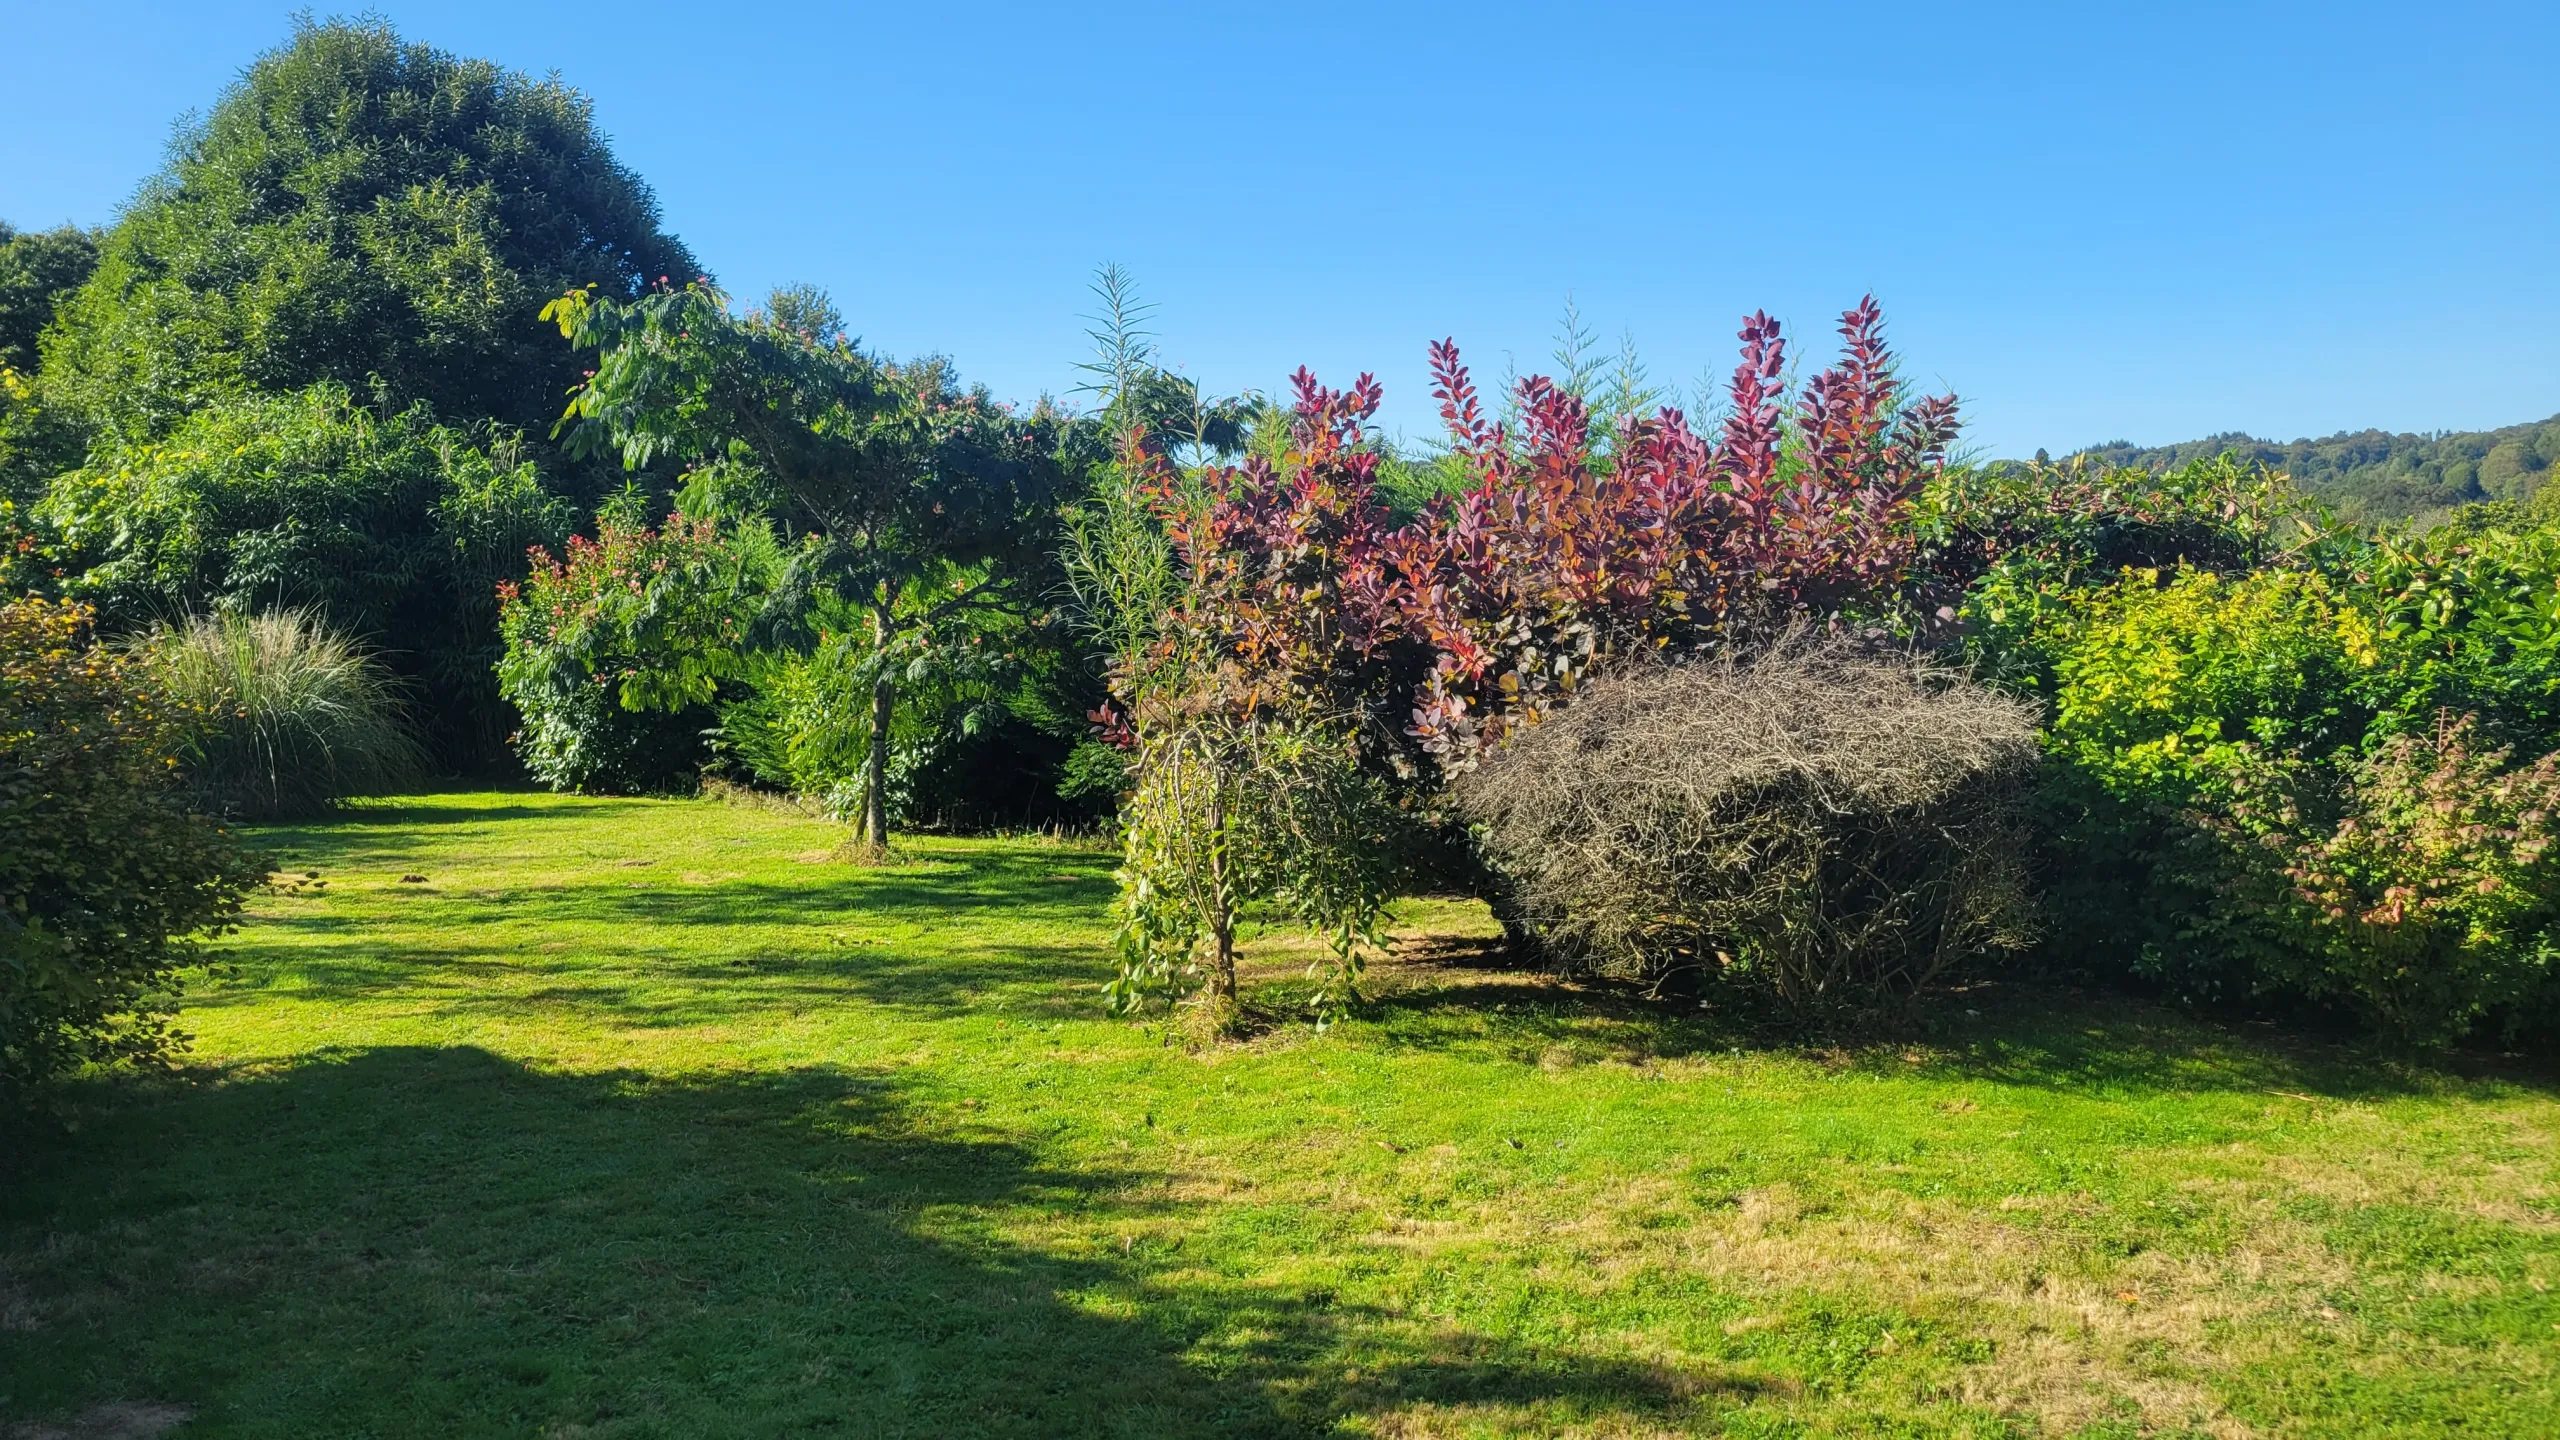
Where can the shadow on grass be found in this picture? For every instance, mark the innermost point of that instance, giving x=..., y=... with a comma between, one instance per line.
x=2040, y=1036
x=648, y=945
x=434, y=1240
x=965, y=925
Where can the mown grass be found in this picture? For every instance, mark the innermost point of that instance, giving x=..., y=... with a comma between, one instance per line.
x=647, y=1118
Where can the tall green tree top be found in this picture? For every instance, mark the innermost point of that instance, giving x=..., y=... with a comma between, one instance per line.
x=926, y=508
x=38, y=269
x=882, y=471
x=360, y=206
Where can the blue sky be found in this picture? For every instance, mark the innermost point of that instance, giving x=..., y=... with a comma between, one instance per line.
x=2151, y=222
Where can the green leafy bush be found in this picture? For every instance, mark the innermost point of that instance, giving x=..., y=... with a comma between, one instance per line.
x=2418, y=886
x=804, y=726
x=106, y=880
x=2160, y=676
x=615, y=651
x=394, y=530
x=37, y=442
x=293, y=716
x=38, y=270
x=2470, y=621
x=1233, y=809
x=984, y=722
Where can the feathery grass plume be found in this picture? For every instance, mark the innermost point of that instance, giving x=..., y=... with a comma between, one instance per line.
x=298, y=716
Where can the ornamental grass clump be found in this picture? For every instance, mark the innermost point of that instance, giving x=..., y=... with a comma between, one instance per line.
x=293, y=716
x=1824, y=827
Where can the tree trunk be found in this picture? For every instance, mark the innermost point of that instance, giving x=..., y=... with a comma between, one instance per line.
x=1221, y=917
x=1222, y=971
x=875, y=766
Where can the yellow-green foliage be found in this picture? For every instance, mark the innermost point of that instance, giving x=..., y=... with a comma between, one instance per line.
x=2166, y=686
x=2160, y=676
x=2261, y=786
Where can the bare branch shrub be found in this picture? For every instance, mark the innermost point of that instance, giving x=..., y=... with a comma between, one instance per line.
x=1831, y=826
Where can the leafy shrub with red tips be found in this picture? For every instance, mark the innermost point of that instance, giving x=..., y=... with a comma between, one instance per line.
x=1283, y=599
x=1559, y=557
x=1493, y=604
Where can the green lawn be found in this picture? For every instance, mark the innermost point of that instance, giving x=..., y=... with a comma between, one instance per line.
x=649, y=1118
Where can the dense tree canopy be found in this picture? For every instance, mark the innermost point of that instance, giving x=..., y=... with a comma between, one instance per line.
x=360, y=206
x=38, y=269
x=915, y=512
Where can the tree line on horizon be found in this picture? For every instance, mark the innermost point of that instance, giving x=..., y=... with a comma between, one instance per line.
x=2376, y=474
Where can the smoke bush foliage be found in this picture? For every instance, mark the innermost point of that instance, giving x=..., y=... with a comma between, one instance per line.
x=1239, y=608
x=1565, y=552
x=1827, y=828
x=1562, y=552
x=1285, y=597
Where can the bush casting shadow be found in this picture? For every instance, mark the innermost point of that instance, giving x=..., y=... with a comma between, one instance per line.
x=2029, y=1035
x=436, y=1241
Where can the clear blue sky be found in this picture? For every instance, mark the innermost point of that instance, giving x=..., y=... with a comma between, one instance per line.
x=2137, y=221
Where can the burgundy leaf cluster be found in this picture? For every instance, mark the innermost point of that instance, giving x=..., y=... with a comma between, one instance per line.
x=1494, y=604
x=1290, y=580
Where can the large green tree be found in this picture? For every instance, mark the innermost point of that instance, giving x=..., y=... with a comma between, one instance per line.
x=358, y=206
x=38, y=268
x=396, y=529
x=920, y=510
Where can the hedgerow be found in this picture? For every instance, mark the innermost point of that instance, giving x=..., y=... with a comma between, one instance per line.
x=1278, y=610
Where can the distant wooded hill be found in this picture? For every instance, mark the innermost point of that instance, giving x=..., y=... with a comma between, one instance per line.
x=2378, y=475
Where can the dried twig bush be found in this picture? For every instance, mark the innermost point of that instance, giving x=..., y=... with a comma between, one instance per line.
x=1833, y=827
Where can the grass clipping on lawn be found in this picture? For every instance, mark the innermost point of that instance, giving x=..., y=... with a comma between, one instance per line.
x=1831, y=824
